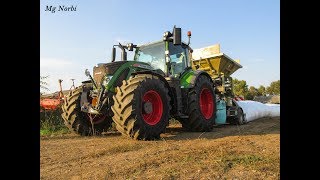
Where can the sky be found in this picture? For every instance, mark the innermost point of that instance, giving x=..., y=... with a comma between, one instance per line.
x=72, y=41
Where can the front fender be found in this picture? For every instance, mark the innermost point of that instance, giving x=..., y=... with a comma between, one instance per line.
x=188, y=78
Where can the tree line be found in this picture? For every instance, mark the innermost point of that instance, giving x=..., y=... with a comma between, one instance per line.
x=241, y=88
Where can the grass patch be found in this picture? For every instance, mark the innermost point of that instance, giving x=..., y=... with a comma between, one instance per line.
x=51, y=123
x=44, y=132
x=125, y=148
x=118, y=149
x=243, y=159
x=171, y=173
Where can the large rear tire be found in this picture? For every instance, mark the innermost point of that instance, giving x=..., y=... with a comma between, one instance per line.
x=141, y=107
x=201, y=107
x=79, y=121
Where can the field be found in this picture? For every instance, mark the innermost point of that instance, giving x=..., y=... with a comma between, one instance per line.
x=250, y=151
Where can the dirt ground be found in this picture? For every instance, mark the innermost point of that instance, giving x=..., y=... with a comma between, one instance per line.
x=250, y=151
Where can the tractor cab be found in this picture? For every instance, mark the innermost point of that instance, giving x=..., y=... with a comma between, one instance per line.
x=155, y=55
x=152, y=54
x=179, y=58
x=169, y=56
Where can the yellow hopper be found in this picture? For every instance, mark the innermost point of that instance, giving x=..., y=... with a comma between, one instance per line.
x=215, y=63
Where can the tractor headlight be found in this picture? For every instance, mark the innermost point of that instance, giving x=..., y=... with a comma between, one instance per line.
x=106, y=80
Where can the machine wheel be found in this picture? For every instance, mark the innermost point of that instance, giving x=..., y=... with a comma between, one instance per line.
x=141, y=107
x=79, y=121
x=201, y=106
x=240, y=117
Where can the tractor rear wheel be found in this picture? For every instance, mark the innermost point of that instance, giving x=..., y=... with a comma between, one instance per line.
x=201, y=106
x=141, y=107
x=80, y=122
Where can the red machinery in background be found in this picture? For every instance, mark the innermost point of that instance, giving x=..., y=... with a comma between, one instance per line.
x=239, y=98
x=52, y=102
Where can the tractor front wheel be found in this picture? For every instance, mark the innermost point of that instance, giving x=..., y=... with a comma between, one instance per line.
x=141, y=107
x=80, y=122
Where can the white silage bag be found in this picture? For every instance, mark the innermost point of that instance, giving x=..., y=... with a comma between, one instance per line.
x=255, y=110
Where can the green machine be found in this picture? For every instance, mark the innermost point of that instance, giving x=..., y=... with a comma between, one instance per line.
x=141, y=95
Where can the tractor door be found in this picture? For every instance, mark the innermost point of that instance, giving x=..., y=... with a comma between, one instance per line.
x=179, y=58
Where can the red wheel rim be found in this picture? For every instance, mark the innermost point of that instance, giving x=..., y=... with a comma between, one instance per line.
x=206, y=103
x=96, y=118
x=154, y=99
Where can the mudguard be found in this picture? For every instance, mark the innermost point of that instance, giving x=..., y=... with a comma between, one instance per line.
x=189, y=77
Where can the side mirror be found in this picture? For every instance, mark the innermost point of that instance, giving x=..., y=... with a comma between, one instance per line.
x=176, y=36
x=113, y=54
x=87, y=73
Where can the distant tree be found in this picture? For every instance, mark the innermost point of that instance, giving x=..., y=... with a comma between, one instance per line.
x=240, y=87
x=274, y=88
x=261, y=91
x=248, y=96
x=253, y=92
x=43, y=84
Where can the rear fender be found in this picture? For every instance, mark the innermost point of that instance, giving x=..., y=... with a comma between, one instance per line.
x=189, y=78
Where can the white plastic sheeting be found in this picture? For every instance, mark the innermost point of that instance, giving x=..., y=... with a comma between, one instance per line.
x=255, y=110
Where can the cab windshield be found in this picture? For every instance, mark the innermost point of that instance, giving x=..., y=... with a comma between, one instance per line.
x=153, y=54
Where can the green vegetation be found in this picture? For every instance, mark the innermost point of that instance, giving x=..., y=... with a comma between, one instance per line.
x=274, y=88
x=261, y=91
x=51, y=122
x=242, y=89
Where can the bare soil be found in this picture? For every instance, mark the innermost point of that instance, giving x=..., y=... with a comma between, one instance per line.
x=250, y=151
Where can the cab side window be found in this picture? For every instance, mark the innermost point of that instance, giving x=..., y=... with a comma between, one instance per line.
x=178, y=57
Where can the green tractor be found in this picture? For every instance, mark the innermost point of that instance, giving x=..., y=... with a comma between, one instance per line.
x=140, y=96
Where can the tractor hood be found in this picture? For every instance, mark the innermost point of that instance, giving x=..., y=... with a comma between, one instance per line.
x=104, y=69
x=119, y=70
